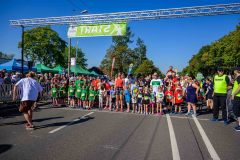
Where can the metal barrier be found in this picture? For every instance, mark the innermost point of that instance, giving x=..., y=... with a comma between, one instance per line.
x=6, y=92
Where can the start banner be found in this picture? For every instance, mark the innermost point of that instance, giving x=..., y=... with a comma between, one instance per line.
x=93, y=30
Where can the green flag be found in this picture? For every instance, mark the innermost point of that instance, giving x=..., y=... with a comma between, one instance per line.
x=113, y=29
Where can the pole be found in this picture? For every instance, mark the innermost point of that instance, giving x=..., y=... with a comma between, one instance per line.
x=76, y=51
x=69, y=55
x=22, y=49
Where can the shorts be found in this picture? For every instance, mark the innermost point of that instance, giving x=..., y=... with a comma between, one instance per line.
x=113, y=100
x=72, y=97
x=152, y=103
x=25, y=106
x=139, y=100
x=159, y=100
x=127, y=100
x=236, y=106
x=169, y=103
x=119, y=91
x=209, y=96
x=134, y=100
x=146, y=101
x=178, y=104
x=108, y=92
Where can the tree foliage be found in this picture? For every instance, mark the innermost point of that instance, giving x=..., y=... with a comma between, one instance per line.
x=124, y=56
x=224, y=53
x=6, y=56
x=44, y=45
x=81, y=60
x=121, y=52
x=146, y=68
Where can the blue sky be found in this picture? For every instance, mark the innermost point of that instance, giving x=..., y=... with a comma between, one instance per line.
x=169, y=41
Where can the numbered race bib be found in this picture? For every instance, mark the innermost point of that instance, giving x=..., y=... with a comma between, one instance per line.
x=78, y=90
x=180, y=97
x=169, y=97
x=83, y=94
x=146, y=98
x=91, y=95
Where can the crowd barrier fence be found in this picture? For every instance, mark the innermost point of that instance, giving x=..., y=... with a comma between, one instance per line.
x=6, y=93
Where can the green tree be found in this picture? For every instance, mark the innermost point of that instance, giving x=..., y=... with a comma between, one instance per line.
x=44, y=45
x=121, y=52
x=140, y=52
x=6, y=56
x=147, y=68
x=224, y=53
x=81, y=60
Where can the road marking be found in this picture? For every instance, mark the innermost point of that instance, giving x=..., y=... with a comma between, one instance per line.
x=206, y=140
x=175, y=151
x=75, y=120
x=130, y=113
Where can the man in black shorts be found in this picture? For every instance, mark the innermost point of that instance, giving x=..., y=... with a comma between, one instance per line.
x=30, y=89
x=236, y=96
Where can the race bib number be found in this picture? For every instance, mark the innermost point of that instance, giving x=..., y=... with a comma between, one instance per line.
x=146, y=98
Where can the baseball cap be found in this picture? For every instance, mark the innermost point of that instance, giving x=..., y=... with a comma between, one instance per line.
x=220, y=69
x=236, y=68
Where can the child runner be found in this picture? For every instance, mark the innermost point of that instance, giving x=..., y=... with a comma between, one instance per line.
x=127, y=97
x=71, y=94
x=62, y=94
x=101, y=97
x=139, y=100
x=91, y=98
x=54, y=91
x=152, y=100
x=112, y=98
x=160, y=97
x=146, y=100
x=134, y=93
x=178, y=98
x=84, y=96
x=78, y=95
x=169, y=98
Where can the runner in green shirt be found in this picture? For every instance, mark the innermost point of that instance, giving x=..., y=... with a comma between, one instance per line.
x=62, y=94
x=78, y=95
x=84, y=96
x=92, y=95
x=54, y=91
x=71, y=94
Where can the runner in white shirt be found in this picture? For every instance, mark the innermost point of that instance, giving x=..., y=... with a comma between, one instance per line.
x=30, y=89
x=155, y=83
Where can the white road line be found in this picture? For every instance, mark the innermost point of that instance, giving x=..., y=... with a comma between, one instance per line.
x=206, y=140
x=175, y=151
x=75, y=120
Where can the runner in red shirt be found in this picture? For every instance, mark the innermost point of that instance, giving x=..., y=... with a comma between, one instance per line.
x=178, y=98
x=107, y=89
x=169, y=98
x=119, y=92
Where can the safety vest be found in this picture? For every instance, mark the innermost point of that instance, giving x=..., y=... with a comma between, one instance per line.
x=220, y=84
x=235, y=86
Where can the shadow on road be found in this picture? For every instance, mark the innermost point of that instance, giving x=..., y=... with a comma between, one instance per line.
x=4, y=148
x=82, y=120
x=35, y=120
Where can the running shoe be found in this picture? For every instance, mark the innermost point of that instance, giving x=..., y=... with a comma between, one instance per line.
x=226, y=122
x=188, y=114
x=237, y=128
x=214, y=120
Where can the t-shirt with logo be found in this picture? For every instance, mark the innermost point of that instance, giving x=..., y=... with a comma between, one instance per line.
x=155, y=83
x=71, y=91
x=169, y=96
x=178, y=97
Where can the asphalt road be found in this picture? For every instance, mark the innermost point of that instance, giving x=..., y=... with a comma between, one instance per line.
x=63, y=133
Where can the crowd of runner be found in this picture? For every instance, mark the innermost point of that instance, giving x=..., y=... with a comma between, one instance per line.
x=143, y=95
